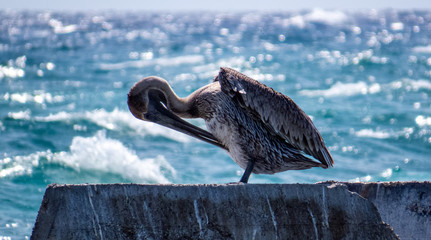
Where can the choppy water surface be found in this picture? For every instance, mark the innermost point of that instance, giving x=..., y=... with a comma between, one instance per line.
x=364, y=77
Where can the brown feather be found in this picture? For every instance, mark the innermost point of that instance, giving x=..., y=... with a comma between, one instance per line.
x=277, y=111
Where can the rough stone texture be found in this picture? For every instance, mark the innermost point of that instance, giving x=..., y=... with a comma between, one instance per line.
x=406, y=206
x=232, y=211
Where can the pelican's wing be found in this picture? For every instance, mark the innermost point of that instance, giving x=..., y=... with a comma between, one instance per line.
x=276, y=111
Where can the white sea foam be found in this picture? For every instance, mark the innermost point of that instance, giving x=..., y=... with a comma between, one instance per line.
x=21, y=115
x=59, y=28
x=381, y=134
x=297, y=21
x=61, y=116
x=116, y=120
x=372, y=134
x=411, y=85
x=422, y=121
x=344, y=89
x=14, y=69
x=104, y=154
x=97, y=153
x=120, y=120
x=387, y=173
x=20, y=165
x=39, y=97
x=315, y=16
x=175, y=61
x=422, y=49
x=257, y=75
x=362, y=179
x=397, y=26
x=210, y=70
x=326, y=16
x=11, y=72
x=416, y=85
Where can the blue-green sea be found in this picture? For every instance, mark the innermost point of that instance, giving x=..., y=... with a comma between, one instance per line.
x=363, y=76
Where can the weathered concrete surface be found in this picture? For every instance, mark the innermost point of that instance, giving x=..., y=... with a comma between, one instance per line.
x=233, y=211
x=406, y=206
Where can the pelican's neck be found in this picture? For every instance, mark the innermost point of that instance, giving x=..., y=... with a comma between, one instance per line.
x=179, y=106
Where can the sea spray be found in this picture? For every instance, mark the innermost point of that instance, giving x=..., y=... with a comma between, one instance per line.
x=96, y=153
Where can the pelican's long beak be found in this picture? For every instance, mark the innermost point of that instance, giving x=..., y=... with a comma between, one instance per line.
x=157, y=113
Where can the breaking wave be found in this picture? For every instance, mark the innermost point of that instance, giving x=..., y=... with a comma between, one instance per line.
x=174, y=61
x=344, y=89
x=422, y=49
x=382, y=134
x=97, y=153
x=362, y=88
x=117, y=121
x=372, y=134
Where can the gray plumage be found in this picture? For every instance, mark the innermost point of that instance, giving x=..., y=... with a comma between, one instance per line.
x=263, y=130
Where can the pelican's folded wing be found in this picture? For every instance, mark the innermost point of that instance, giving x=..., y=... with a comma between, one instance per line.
x=277, y=111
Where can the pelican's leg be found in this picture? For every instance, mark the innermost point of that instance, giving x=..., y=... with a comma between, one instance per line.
x=248, y=170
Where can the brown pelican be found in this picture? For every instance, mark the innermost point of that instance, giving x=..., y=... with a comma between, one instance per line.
x=263, y=130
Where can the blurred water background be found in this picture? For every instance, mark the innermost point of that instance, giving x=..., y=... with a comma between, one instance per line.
x=363, y=76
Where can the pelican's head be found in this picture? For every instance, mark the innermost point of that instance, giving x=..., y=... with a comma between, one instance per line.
x=147, y=101
x=143, y=94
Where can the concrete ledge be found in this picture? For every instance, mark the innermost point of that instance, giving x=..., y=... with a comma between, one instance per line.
x=406, y=206
x=232, y=211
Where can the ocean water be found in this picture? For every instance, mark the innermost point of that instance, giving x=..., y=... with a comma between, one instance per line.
x=364, y=77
